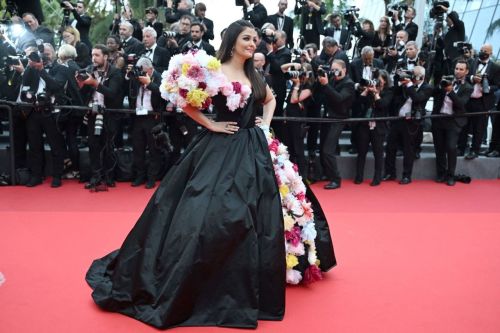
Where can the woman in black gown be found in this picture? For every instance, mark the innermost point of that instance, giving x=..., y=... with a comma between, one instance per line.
x=209, y=248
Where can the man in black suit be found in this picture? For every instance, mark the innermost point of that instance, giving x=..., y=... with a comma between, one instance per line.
x=311, y=23
x=449, y=98
x=410, y=98
x=331, y=51
x=278, y=54
x=257, y=14
x=396, y=52
x=82, y=21
x=485, y=73
x=339, y=94
x=455, y=33
x=158, y=55
x=38, y=30
x=409, y=26
x=199, y=11
x=130, y=44
x=494, y=149
x=197, y=32
x=283, y=22
x=148, y=100
x=338, y=32
x=152, y=20
x=102, y=90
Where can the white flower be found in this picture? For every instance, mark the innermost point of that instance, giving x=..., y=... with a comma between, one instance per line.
x=308, y=232
x=293, y=276
x=298, y=250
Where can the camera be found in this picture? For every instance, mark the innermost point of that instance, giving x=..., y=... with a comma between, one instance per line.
x=463, y=47
x=350, y=14
x=82, y=75
x=27, y=95
x=99, y=119
x=169, y=34
x=269, y=39
x=436, y=11
x=12, y=60
x=405, y=74
x=241, y=3
x=162, y=139
x=296, y=74
x=398, y=8
x=66, y=10
x=325, y=70
x=485, y=84
x=135, y=72
x=368, y=83
x=132, y=59
x=446, y=81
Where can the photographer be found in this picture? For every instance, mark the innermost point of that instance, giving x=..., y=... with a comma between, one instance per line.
x=278, y=55
x=131, y=45
x=82, y=21
x=450, y=97
x=197, y=42
x=126, y=17
x=338, y=89
x=396, y=53
x=456, y=33
x=38, y=30
x=199, y=12
x=174, y=42
x=311, y=23
x=485, y=80
x=376, y=98
x=331, y=51
x=257, y=14
x=299, y=100
x=71, y=36
x=337, y=31
x=43, y=80
x=365, y=33
x=152, y=21
x=409, y=26
x=175, y=9
x=283, y=22
x=158, y=55
x=148, y=100
x=410, y=97
x=101, y=87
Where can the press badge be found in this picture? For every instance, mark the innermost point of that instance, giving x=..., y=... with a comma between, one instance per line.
x=141, y=112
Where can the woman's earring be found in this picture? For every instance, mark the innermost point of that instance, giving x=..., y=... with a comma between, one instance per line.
x=232, y=51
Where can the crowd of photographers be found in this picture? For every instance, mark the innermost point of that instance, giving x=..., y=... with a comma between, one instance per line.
x=388, y=74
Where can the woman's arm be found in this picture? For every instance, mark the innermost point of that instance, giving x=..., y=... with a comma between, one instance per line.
x=228, y=127
x=269, y=106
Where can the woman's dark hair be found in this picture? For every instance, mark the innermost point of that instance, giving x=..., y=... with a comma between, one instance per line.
x=387, y=78
x=117, y=40
x=224, y=55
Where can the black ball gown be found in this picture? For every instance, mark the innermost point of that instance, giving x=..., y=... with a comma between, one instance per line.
x=209, y=248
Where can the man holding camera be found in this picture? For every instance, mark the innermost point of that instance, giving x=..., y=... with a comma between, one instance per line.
x=338, y=32
x=455, y=33
x=158, y=55
x=151, y=20
x=410, y=97
x=101, y=88
x=283, y=22
x=396, y=53
x=450, y=98
x=409, y=26
x=485, y=80
x=37, y=29
x=338, y=90
x=175, y=9
x=148, y=101
x=197, y=42
x=82, y=21
x=256, y=13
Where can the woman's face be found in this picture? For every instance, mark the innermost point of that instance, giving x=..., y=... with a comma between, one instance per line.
x=246, y=43
x=383, y=24
x=112, y=44
x=68, y=38
x=382, y=81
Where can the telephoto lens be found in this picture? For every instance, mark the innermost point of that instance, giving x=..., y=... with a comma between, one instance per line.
x=99, y=122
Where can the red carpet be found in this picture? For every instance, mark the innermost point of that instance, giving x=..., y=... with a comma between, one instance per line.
x=417, y=258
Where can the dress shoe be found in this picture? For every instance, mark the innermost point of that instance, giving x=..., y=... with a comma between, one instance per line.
x=56, y=182
x=138, y=182
x=375, y=182
x=110, y=183
x=493, y=153
x=358, y=180
x=388, y=177
x=150, y=184
x=441, y=179
x=405, y=181
x=417, y=155
x=471, y=155
x=34, y=181
x=332, y=186
x=450, y=181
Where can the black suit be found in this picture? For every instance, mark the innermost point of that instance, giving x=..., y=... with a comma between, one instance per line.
x=83, y=58
x=445, y=131
x=454, y=34
x=405, y=131
x=133, y=46
x=83, y=23
x=411, y=28
x=257, y=15
x=276, y=59
x=310, y=35
x=101, y=146
x=486, y=102
x=287, y=27
x=161, y=58
x=339, y=96
x=45, y=34
x=365, y=134
x=330, y=32
x=209, y=32
x=141, y=132
x=340, y=55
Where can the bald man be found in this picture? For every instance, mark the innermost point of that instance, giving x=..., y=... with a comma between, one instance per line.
x=483, y=96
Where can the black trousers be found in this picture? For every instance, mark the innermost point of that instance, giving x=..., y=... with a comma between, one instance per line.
x=313, y=133
x=328, y=152
x=142, y=139
x=376, y=138
x=101, y=148
x=70, y=126
x=478, y=124
x=445, y=134
x=20, y=138
x=182, y=130
x=295, y=138
x=401, y=132
x=495, y=134
x=37, y=124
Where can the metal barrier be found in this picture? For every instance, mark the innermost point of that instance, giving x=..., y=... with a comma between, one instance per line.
x=8, y=106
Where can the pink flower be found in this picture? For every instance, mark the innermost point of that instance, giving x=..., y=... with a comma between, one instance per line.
x=183, y=93
x=312, y=274
x=295, y=167
x=293, y=236
x=233, y=102
x=301, y=196
x=273, y=146
x=236, y=87
x=206, y=104
x=293, y=276
x=196, y=73
x=227, y=89
x=245, y=91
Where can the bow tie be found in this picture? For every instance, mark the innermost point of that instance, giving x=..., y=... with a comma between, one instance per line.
x=483, y=63
x=149, y=50
x=410, y=62
x=337, y=29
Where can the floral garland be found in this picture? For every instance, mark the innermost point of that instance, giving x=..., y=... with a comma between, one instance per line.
x=193, y=78
x=298, y=216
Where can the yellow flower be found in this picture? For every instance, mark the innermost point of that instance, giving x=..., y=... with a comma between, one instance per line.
x=196, y=97
x=213, y=64
x=291, y=261
x=185, y=68
x=284, y=190
x=288, y=222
